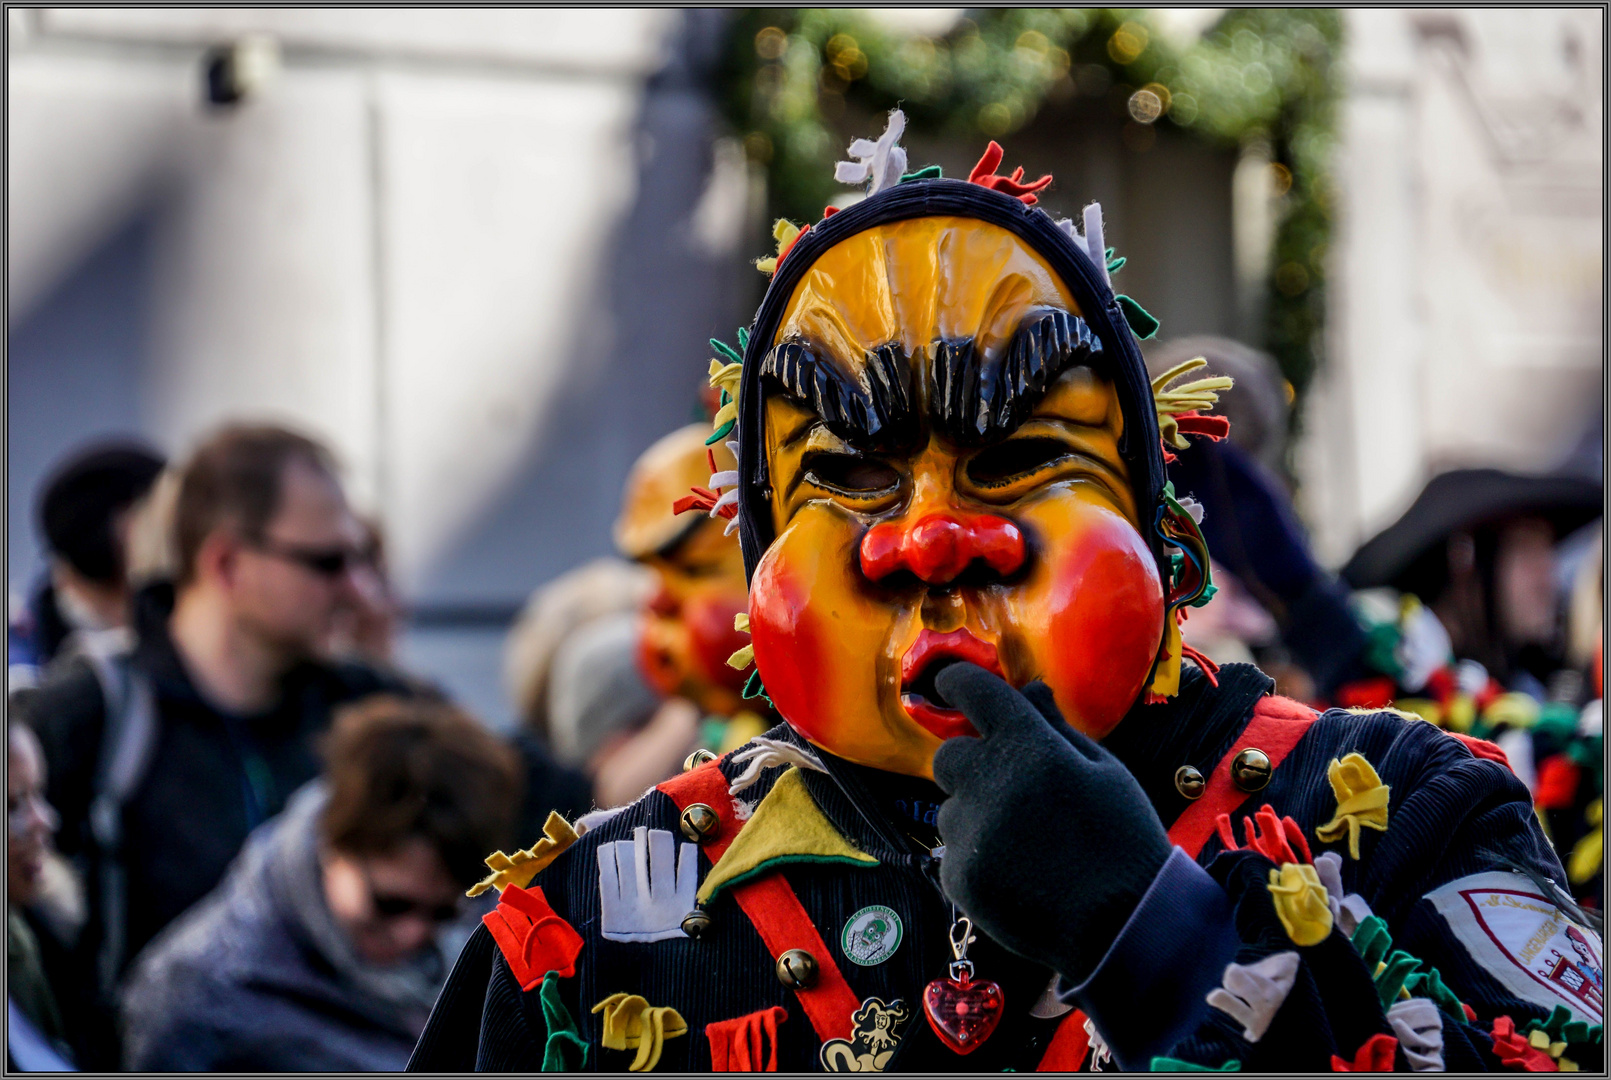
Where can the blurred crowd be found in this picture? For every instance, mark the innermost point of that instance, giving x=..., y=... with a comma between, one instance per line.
x=241, y=837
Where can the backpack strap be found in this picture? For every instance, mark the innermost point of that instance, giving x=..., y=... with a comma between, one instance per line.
x=771, y=906
x=128, y=742
x=1276, y=726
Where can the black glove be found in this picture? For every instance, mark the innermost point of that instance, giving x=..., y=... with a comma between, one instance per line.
x=1049, y=841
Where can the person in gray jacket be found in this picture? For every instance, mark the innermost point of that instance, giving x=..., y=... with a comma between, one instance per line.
x=326, y=943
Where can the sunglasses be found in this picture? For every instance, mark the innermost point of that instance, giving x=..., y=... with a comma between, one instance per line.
x=326, y=562
x=395, y=907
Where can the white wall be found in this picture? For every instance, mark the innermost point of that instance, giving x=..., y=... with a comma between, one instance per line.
x=1465, y=292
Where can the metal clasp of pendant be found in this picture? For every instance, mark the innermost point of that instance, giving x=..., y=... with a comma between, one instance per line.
x=961, y=937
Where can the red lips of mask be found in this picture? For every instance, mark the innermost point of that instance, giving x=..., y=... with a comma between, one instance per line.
x=928, y=655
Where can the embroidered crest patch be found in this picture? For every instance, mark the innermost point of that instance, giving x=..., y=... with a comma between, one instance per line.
x=874, y=1034
x=1526, y=942
x=872, y=935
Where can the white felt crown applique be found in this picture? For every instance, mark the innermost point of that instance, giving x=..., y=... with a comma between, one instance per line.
x=646, y=886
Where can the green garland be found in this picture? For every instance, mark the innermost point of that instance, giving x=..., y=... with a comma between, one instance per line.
x=1260, y=74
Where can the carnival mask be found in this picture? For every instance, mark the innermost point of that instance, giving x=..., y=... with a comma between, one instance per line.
x=687, y=628
x=948, y=451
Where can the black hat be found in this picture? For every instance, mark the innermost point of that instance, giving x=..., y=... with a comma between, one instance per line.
x=1101, y=314
x=1467, y=499
x=82, y=497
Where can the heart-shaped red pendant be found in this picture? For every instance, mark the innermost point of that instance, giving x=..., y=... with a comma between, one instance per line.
x=963, y=1011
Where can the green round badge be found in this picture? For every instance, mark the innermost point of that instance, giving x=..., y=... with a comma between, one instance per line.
x=872, y=935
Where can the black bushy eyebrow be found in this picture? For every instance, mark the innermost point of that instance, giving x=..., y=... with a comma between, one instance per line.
x=872, y=407
x=973, y=403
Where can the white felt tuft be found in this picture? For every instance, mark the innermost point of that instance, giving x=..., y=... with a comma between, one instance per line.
x=882, y=162
x=646, y=886
x=1419, y=1028
x=1252, y=994
x=587, y=822
x=1094, y=247
x=764, y=753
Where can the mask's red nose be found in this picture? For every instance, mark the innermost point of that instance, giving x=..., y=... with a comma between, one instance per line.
x=939, y=547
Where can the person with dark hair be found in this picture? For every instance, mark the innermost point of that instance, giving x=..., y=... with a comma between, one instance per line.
x=84, y=512
x=162, y=761
x=323, y=948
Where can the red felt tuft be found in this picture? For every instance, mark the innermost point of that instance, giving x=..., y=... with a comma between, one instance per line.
x=829, y=211
x=1277, y=839
x=984, y=174
x=1210, y=668
x=746, y=1043
x=1513, y=1049
x=1211, y=427
x=1375, y=1056
x=784, y=254
x=533, y=940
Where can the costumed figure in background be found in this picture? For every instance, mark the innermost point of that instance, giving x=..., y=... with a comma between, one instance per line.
x=1483, y=612
x=1011, y=822
x=687, y=631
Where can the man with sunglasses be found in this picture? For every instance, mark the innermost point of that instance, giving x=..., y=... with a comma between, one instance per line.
x=163, y=765
x=327, y=942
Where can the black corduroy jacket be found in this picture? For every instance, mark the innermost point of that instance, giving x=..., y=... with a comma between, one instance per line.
x=1454, y=819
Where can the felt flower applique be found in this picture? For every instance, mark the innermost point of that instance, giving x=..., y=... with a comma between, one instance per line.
x=1361, y=801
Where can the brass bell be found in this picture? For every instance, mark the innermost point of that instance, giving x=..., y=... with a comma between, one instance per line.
x=1189, y=782
x=797, y=969
x=697, y=758
x=1251, y=769
x=696, y=922
x=699, y=823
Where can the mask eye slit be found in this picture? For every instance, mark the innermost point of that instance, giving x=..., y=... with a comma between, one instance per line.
x=850, y=474
x=1005, y=462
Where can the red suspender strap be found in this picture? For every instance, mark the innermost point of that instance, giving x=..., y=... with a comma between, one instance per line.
x=771, y=907
x=1275, y=728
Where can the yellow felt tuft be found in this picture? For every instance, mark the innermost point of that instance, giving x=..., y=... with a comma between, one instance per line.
x=784, y=232
x=1197, y=396
x=630, y=1022
x=518, y=869
x=742, y=659
x=786, y=826
x=1166, y=677
x=1300, y=903
x=1361, y=801
x=741, y=622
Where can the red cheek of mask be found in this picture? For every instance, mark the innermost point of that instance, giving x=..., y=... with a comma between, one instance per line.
x=712, y=639
x=1104, y=622
x=655, y=660
x=781, y=627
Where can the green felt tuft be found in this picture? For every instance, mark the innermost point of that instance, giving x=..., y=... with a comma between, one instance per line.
x=565, y=1050
x=1142, y=324
x=1169, y=1064
x=927, y=172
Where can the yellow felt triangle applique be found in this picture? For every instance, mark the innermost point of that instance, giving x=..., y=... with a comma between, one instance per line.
x=518, y=869
x=785, y=828
x=1361, y=801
